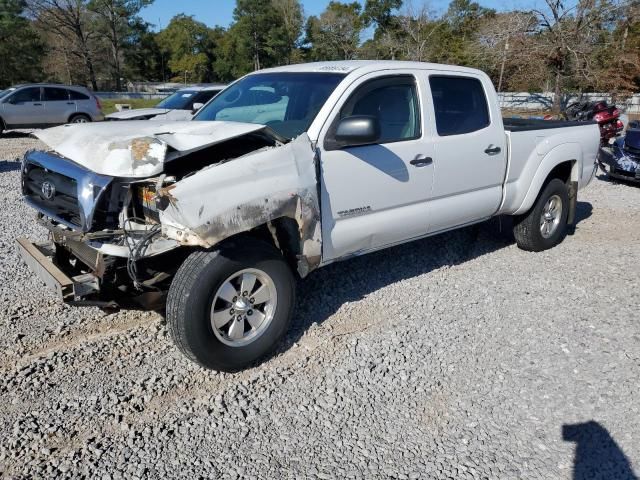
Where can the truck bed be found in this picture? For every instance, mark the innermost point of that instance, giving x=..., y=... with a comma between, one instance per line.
x=527, y=124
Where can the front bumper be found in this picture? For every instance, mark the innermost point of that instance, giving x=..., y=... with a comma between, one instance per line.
x=40, y=257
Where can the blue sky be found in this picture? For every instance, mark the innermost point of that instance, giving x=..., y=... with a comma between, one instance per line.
x=220, y=12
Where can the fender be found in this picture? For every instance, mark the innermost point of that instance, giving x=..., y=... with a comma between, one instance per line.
x=240, y=195
x=566, y=152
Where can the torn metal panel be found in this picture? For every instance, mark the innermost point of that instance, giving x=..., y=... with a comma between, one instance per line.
x=137, y=149
x=234, y=197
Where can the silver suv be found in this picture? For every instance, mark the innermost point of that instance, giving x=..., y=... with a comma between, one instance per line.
x=44, y=105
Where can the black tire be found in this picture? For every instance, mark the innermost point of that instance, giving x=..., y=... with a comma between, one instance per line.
x=192, y=293
x=80, y=118
x=527, y=227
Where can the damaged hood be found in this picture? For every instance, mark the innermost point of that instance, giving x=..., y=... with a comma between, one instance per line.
x=138, y=149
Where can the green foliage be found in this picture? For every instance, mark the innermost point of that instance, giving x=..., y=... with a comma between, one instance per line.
x=265, y=33
x=21, y=50
x=586, y=45
x=380, y=13
x=335, y=34
x=186, y=42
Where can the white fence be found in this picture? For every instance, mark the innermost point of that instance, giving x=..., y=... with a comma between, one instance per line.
x=544, y=101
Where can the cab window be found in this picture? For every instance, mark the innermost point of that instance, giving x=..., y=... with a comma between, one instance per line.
x=393, y=101
x=460, y=105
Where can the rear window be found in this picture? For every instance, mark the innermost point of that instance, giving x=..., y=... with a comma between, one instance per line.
x=75, y=95
x=460, y=105
x=55, y=94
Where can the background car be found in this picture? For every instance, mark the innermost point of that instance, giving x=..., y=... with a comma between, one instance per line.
x=45, y=105
x=177, y=106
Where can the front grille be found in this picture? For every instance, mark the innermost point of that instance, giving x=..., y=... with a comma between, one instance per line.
x=62, y=189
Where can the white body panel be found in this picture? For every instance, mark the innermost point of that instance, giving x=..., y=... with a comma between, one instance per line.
x=371, y=195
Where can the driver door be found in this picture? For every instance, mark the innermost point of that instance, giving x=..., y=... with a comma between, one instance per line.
x=376, y=195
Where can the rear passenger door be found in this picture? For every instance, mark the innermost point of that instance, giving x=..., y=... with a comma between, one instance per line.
x=57, y=105
x=470, y=157
x=24, y=108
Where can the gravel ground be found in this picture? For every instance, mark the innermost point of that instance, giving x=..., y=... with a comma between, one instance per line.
x=455, y=357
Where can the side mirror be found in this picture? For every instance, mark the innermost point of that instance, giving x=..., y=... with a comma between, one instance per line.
x=355, y=131
x=196, y=107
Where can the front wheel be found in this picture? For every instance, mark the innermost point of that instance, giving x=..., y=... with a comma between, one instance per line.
x=545, y=225
x=230, y=307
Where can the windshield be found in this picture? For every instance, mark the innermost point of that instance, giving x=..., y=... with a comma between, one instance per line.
x=5, y=92
x=286, y=102
x=181, y=100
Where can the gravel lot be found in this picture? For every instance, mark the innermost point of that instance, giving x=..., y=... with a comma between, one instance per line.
x=455, y=357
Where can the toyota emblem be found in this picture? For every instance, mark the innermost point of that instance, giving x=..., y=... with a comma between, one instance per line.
x=48, y=190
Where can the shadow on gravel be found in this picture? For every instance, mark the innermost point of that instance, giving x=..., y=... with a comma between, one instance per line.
x=14, y=134
x=583, y=211
x=327, y=289
x=597, y=455
x=6, y=166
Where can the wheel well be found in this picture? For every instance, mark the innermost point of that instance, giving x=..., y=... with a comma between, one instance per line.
x=2, y=124
x=78, y=114
x=282, y=233
x=562, y=171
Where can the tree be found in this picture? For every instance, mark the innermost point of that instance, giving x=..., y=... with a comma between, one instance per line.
x=565, y=37
x=335, y=34
x=385, y=43
x=143, y=58
x=188, y=44
x=501, y=47
x=419, y=27
x=70, y=20
x=115, y=19
x=22, y=63
x=284, y=37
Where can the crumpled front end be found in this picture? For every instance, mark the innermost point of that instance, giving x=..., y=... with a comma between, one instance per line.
x=118, y=235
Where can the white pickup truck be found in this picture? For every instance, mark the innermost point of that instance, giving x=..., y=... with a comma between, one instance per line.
x=311, y=164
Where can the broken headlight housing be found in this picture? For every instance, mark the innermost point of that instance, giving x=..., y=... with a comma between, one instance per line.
x=145, y=201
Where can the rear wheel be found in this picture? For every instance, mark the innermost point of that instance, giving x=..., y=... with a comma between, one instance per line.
x=80, y=118
x=545, y=225
x=229, y=307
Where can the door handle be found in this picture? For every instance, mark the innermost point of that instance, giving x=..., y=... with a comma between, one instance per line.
x=491, y=150
x=421, y=161
x=37, y=104
x=70, y=103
